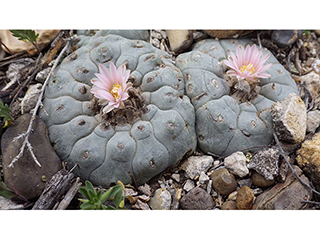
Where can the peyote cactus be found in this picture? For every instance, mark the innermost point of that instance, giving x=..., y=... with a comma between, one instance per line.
x=224, y=122
x=130, y=145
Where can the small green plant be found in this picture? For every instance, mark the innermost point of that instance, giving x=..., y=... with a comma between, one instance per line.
x=8, y=193
x=27, y=35
x=306, y=32
x=95, y=199
x=4, y=191
x=5, y=113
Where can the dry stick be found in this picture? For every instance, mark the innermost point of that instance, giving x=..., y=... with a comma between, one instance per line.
x=291, y=168
x=309, y=93
x=27, y=133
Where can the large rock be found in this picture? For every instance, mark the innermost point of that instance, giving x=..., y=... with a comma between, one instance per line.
x=308, y=158
x=197, y=199
x=290, y=119
x=179, y=40
x=266, y=162
x=226, y=33
x=25, y=175
x=285, y=196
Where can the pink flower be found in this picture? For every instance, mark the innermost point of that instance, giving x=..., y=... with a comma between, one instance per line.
x=246, y=64
x=111, y=86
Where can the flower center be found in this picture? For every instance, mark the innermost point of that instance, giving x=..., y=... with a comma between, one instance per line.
x=248, y=68
x=114, y=90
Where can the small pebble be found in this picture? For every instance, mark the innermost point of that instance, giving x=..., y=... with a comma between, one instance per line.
x=145, y=189
x=42, y=75
x=176, y=177
x=223, y=181
x=245, y=198
x=188, y=185
x=140, y=205
x=161, y=200
x=209, y=186
x=245, y=182
x=194, y=165
x=203, y=178
x=233, y=196
x=216, y=163
x=30, y=99
x=229, y=205
x=260, y=181
x=236, y=164
x=313, y=121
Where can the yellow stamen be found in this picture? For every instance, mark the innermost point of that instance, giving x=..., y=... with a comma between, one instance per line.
x=114, y=90
x=248, y=67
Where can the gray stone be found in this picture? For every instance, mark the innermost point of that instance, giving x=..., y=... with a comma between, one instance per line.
x=161, y=200
x=42, y=75
x=312, y=82
x=290, y=119
x=197, y=199
x=245, y=182
x=236, y=163
x=285, y=38
x=145, y=189
x=176, y=196
x=203, y=178
x=31, y=97
x=26, y=176
x=14, y=69
x=188, y=185
x=313, y=120
x=194, y=165
x=140, y=205
x=266, y=162
x=176, y=177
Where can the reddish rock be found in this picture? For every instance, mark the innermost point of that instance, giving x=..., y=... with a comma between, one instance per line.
x=26, y=176
x=308, y=158
x=229, y=205
x=197, y=199
x=223, y=181
x=285, y=196
x=245, y=198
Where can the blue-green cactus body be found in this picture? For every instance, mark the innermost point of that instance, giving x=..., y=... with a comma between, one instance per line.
x=132, y=152
x=223, y=124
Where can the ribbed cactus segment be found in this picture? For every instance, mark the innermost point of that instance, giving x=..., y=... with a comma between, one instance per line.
x=224, y=124
x=132, y=152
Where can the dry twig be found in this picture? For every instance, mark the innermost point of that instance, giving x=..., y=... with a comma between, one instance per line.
x=27, y=133
x=291, y=168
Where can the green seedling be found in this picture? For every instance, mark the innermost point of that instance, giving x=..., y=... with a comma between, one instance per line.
x=94, y=200
x=5, y=113
x=8, y=193
x=27, y=35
